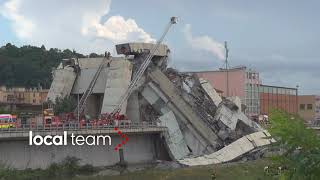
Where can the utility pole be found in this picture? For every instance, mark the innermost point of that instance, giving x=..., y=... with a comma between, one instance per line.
x=227, y=70
x=78, y=113
x=297, y=99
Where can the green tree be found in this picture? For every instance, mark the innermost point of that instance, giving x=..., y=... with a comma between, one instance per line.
x=64, y=105
x=300, y=144
x=30, y=66
x=95, y=55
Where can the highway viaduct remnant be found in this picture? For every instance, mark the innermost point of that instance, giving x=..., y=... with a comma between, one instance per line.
x=171, y=115
x=144, y=146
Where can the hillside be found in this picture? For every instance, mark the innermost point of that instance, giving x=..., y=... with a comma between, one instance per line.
x=30, y=66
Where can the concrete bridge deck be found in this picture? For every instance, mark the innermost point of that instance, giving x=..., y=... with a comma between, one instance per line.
x=134, y=128
x=144, y=146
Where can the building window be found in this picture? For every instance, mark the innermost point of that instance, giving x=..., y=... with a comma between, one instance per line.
x=302, y=106
x=309, y=106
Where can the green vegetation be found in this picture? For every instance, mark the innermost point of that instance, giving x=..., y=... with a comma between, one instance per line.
x=3, y=111
x=30, y=66
x=70, y=169
x=65, y=170
x=64, y=105
x=300, y=146
x=253, y=170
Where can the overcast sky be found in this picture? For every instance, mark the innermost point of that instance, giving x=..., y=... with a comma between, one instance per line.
x=278, y=38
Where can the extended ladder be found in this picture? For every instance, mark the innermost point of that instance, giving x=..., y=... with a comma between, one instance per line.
x=82, y=102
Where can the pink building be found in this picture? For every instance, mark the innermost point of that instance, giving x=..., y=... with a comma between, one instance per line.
x=242, y=82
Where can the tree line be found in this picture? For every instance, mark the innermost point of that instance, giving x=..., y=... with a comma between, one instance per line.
x=31, y=66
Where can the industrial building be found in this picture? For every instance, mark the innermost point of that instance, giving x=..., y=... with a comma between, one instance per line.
x=258, y=99
x=275, y=97
x=242, y=82
x=22, y=99
x=309, y=108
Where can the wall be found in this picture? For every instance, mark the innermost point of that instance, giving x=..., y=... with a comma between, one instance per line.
x=112, y=81
x=307, y=114
x=18, y=95
x=34, y=98
x=252, y=96
x=218, y=80
x=3, y=96
x=139, y=149
x=243, y=83
x=63, y=80
x=93, y=105
x=277, y=97
x=43, y=95
x=317, y=108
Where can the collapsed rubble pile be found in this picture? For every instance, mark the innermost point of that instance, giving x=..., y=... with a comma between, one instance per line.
x=222, y=115
x=202, y=127
x=200, y=123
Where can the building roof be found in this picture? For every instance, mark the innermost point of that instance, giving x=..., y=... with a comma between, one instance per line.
x=277, y=87
x=302, y=96
x=236, y=68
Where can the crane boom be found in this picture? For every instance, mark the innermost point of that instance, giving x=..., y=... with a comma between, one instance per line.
x=142, y=68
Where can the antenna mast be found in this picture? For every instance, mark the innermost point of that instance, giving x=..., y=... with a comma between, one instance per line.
x=227, y=70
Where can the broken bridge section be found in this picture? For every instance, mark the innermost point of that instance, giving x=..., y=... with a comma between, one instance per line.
x=211, y=126
x=63, y=80
x=234, y=150
x=196, y=129
x=174, y=139
x=201, y=126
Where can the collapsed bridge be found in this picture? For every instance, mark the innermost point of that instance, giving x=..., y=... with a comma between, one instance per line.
x=190, y=122
x=199, y=122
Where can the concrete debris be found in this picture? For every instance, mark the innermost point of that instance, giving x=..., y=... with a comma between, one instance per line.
x=230, y=118
x=203, y=132
x=174, y=138
x=161, y=104
x=203, y=128
x=221, y=115
x=63, y=80
x=168, y=165
x=211, y=92
x=236, y=101
x=141, y=48
x=108, y=172
x=233, y=150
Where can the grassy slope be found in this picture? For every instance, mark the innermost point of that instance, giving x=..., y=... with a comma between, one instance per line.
x=235, y=171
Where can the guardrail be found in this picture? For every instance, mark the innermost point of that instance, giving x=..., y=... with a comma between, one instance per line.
x=77, y=126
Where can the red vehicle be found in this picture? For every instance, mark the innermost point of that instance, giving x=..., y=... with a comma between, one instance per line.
x=50, y=120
